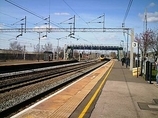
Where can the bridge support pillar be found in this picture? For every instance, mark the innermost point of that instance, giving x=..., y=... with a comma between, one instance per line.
x=131, y=52
x=68, y=53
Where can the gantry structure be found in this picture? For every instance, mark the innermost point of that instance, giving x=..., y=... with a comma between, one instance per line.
x=129, y=31
x=64, y=30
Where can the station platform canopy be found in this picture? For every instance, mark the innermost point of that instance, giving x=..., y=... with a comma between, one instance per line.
x=94, y=47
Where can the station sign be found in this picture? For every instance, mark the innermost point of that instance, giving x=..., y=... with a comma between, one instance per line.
x=134, y=44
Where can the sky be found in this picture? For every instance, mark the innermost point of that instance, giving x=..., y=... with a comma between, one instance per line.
x=87, y=15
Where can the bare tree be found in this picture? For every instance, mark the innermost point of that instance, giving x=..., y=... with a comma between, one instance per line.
x=15, y=46
x=154, y=44
x=36, y=48
x=47, y=47
x=145, y=41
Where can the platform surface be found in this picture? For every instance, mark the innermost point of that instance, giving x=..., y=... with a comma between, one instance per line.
x=122, y=96
x=126, y=96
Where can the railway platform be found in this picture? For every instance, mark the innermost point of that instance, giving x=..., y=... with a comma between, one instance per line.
x=126, y=96
x=16, y=62
x=110, y=91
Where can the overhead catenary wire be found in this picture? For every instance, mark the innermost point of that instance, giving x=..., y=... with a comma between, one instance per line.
x=66, y=20
x=15, y=4
x=96, y=19
x=80, y=18
x=41, y=17
x=18, y=21
x=9, y=15
x=11, y=25
x=124, y=19
x=127, y=11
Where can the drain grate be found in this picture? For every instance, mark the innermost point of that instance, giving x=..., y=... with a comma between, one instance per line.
x=149, y=106
x=156, y=101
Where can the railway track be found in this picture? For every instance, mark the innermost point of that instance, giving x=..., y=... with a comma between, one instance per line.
x=14, y=82
x=19, y=91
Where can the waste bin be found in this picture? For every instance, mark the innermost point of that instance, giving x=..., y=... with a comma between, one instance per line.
x=148, y=73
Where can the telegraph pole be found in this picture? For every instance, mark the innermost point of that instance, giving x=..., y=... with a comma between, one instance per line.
x=127, y=41
x=49, y=23
x=39, y=45
x=24, y=51
x=74, y=26
x=25, y=24
x=103, y=22
x=58, y=49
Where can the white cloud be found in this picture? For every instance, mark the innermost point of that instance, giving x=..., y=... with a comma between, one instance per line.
x=61, y=14
x=151, y=17
x=152, y=4
x=2, y=25
x=41, y=28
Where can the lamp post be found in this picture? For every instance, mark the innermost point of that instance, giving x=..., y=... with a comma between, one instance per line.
x=131, y=51
x=122, y=41
x=58, y=46
x=39, y=44
x=58, y=49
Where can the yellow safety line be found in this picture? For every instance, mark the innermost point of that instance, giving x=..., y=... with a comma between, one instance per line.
x=95, y=94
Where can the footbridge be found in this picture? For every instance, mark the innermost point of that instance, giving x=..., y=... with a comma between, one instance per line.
x=70, y=49
x=93, y=47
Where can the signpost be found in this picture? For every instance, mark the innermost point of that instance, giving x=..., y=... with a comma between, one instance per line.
x=136, y=45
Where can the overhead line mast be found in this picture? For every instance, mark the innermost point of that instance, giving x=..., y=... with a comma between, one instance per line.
x=146, y=20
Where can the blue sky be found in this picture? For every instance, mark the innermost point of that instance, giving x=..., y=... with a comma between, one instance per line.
x=84, y=11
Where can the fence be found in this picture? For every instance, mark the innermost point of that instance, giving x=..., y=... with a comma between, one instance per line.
x=13, y=56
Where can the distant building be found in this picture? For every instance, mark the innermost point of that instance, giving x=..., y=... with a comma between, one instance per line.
x=48, y=56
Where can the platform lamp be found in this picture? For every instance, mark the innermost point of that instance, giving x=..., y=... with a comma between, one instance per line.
x=122, y=45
